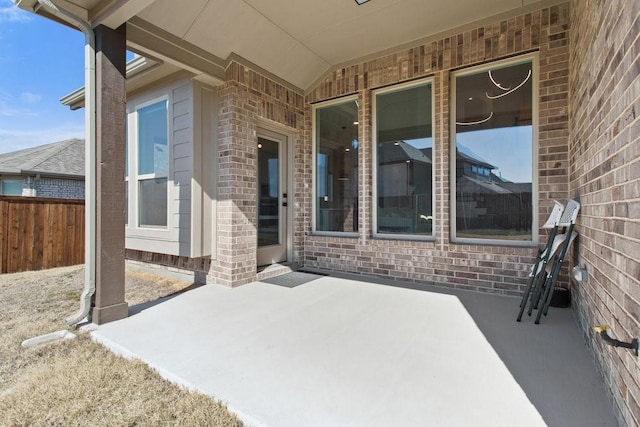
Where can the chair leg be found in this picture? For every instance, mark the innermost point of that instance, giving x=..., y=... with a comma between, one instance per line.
x=545, y=298
x=555, y=272
x=537, y=290
x=525, y=296
x=537, y=270
x=532, y=274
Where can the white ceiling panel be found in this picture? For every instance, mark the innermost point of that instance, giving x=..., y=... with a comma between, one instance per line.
x=395, y=25
x=299, y=40
x=235, y=27
x=173, y=16
x=305, y=17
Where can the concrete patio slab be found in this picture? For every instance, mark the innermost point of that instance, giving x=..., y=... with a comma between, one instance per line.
x=335, y=352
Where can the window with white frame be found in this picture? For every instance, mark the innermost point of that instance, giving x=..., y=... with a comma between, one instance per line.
x=336, y=167
x=11, y=187
x=126, y=174
x=152, y=167
x=403, y=161
x=493, y=157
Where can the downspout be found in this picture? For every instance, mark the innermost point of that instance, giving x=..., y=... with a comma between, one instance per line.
x=90, y=158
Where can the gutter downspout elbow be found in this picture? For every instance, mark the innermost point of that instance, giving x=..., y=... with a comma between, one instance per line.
x=90, y=158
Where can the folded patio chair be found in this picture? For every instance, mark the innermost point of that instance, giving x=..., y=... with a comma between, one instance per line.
x=568, y=221
x=544, y=255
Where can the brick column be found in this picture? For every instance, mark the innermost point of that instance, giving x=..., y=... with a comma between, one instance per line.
x=237, y=188
x=109, y=303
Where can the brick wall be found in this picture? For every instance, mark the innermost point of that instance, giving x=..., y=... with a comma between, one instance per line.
x=60, y=188
x=246, y=97
x=198, y=267
x=488, y=268
x=605, y=177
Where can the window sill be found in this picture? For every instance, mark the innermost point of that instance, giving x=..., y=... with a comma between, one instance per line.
x=491, y=242
x=335, y=234
x=407, y=237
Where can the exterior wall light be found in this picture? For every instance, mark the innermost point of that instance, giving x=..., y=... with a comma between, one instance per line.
x=361, y=2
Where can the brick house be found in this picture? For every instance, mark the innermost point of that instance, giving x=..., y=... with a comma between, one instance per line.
x=51, y=170
x=316, y=134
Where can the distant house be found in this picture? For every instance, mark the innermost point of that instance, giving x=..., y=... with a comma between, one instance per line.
x=486, y=201
x=404, y=188
x=51, y=170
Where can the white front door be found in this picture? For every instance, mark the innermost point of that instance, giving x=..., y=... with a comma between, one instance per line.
x=272, y=198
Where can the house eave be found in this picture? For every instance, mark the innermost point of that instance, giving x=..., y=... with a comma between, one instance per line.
x=48, y=174
x=52, y=174
x=138, y=69
x=36, y=8
x=74, y=100
x=10, y=172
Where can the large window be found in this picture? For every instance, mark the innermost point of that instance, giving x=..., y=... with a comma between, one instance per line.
x=403, y=161
x=493, y=153
x=11, y=187
x=336, y=167
x=153, y=165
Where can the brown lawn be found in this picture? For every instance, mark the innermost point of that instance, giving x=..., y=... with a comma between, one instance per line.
x=79, y=382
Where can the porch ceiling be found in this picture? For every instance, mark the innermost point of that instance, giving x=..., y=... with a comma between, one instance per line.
x=298, y=41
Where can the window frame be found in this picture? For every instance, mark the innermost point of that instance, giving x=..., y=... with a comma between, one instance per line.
x=133, y=178
x=127, y=182
x=13, y=179
x=314, y=152
x=374, y=159
x=533, y=58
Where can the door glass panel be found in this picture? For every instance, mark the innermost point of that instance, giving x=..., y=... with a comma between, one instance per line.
x=268, y=191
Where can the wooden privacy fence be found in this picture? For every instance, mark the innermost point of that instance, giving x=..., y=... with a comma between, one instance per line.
x=38, y=233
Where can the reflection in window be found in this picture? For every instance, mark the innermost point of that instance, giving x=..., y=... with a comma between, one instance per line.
x=152, y=194
x=152, y=139
x=126, y=202
x=337, y=167
x=404, y=161
x=153, y=165
x=269, y=187
x=126, y=174
x=494, y=153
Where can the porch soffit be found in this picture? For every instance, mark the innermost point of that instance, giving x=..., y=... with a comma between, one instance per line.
x=296, y=41
x=299, y=41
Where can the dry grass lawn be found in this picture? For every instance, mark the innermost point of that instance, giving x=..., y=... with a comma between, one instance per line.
x=79, y=382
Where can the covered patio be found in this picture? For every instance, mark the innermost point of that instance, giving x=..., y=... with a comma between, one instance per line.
x=221, y=80
x=336, y=350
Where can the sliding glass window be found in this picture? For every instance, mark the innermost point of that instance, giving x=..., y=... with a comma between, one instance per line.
x=493, y=157
x=336, y=167
x=403, y=160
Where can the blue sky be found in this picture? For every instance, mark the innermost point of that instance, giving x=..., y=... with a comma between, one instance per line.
x=508, y=149
x=40, y=61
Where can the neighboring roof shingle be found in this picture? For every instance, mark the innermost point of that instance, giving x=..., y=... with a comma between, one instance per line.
x=64, y=158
